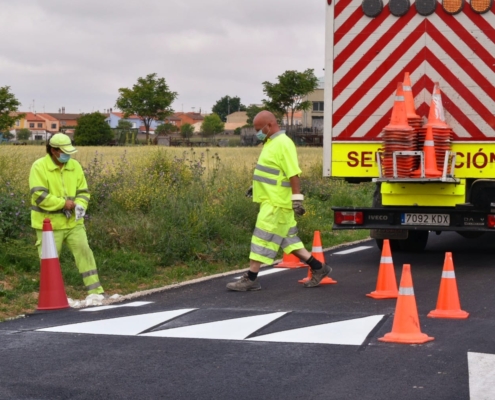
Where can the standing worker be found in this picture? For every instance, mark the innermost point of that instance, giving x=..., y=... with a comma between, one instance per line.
x=59, y=192
x=276, y=186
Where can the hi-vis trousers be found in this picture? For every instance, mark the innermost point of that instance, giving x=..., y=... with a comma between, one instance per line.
x=77, y=241
x=275, y=227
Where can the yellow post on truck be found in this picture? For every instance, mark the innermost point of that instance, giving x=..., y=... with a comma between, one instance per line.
x=371, y=45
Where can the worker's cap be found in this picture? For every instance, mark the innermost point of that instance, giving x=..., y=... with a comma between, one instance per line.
x=62, y=142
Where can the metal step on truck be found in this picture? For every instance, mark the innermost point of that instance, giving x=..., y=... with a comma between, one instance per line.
x=441, y=56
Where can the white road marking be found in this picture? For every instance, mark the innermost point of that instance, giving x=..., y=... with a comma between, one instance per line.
x=351, y=332
x=133, y=304
x=120, y=326
x=353, y=250
x=231, y=329
x=268, y=272
x=481, y=376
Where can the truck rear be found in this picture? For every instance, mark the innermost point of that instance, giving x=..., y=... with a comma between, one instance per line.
x=371, y=46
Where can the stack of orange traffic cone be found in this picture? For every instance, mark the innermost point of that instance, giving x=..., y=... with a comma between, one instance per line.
x=290, y=261
x=406, y=321
x=386, y=285
x=398, y=136
x=442, y=132
x=448, y=304
x=430, y=158
x=414, y=120
x=317, y=252
x=52, y=292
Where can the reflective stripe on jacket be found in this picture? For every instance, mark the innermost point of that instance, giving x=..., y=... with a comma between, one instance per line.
x=50, y=186
x=276, y=164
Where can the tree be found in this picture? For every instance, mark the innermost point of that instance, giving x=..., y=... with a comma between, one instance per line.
x=212, y=124
x=227, y=105
x=252, y=111
x=186, y=130
x=122, y=131
x=287, y=96
x=150, y=99
x=92, y=130
x=23, y=134
x=166, y=129
x=8, y=105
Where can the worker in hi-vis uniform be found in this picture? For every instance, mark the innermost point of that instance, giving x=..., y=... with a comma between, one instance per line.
x=59, y=192
x=276, y=186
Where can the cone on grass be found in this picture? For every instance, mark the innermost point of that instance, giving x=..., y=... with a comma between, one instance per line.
x=386, y=284
x=317, y=252
x=406, y=327
x=430, y=158
x=448, y=304
x=52, y=292
x=290, y=261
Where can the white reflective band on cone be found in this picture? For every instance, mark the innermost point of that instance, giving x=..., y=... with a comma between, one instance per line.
x=406, y=88
x=448, y=274
x=386, y=260
x=399, y=98
x=48, y=248
x=317, y=249
x=407, y=291
x=430, y=143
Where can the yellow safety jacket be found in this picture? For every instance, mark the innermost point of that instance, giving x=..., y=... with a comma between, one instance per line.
x=276, y=164
x=50, y=186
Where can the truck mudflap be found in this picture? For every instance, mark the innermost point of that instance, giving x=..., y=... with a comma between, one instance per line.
x=383, y=221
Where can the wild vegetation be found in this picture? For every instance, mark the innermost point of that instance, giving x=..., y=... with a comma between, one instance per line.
x=156, y=216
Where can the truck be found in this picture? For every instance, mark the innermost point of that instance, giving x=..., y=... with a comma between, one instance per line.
x=371, y=46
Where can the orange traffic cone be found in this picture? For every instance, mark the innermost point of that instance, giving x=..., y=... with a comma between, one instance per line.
x=406, y=321
x=290, y=261
x=431, y=170
x=317, y=252
x=448, y=304
x=386, y=285
x=409, y=98
x=398, y=120
x=436, y=116
x=52, y=292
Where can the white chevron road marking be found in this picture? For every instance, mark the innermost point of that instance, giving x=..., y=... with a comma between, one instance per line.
x=350, y=332
x=129, y=326
x=354, y=250
x=100, y=308
x=231, y=329
x=481, y=376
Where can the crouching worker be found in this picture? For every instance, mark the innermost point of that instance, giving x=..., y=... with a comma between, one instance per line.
x=276, y=187
x=59, y=192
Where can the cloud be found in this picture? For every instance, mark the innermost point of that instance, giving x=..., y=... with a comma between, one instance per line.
x=78, y=53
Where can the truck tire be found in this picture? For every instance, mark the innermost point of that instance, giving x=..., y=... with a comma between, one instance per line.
x=415, y=242
x=377, y=202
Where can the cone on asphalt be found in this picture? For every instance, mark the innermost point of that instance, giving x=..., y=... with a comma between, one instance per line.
x=52, y=291
x=430, y=158
x=406, y=327
x=317, y=252
x=386, y=284
x=448, y=304
x=290, y=261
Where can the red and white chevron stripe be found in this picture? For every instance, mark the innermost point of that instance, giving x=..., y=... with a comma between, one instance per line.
x=372, y=54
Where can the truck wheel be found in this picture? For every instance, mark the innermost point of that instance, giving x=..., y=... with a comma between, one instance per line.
x=416, y=241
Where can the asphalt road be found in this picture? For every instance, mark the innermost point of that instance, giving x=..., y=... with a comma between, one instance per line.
x=201, y=341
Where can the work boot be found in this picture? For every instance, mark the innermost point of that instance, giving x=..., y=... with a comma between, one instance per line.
x=318, y=275
x=244, y=284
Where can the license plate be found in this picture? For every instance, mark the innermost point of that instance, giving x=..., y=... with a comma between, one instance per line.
x=425, y=219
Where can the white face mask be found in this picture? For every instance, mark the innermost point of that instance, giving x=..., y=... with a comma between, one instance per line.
x=260, y=135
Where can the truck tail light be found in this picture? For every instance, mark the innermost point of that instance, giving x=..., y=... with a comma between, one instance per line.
x=491, y=221
x=349, y=217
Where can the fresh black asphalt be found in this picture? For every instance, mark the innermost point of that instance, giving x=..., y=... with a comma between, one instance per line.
x=48, y=365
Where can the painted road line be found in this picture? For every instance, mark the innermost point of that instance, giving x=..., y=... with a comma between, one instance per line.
x=353, y=250
x=120, y=326
x=231, y=329
x=481, y=376
x=268, y=272
x=350, y=332
x=133, y=304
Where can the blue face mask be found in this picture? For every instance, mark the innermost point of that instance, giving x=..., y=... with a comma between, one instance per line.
x=260, y=135
x=63, y=158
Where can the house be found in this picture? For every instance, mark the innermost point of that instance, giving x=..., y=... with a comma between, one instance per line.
x=313, y=118
x=189, y=118
x=296, y=119
x=52, y=123
x=65, y=120
x=33, y=122
x=236, y=120
x=114, y=117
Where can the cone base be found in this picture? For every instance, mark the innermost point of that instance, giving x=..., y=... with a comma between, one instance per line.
x=53, y=308
x=324, y=281
x=453, y=314
x=407, y=338
x=429, y=173
x=384, y=294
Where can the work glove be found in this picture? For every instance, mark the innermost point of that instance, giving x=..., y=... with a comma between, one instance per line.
x=297, y=200
x=80, y=212
x=68, y=213
x=249, y=192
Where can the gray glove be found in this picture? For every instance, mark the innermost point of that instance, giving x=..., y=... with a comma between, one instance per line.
x=68, y=213
x=80, y=212
x=297, y=200
x=249, y=192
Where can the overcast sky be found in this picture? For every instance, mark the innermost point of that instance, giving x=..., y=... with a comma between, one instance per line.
x=78, y=53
